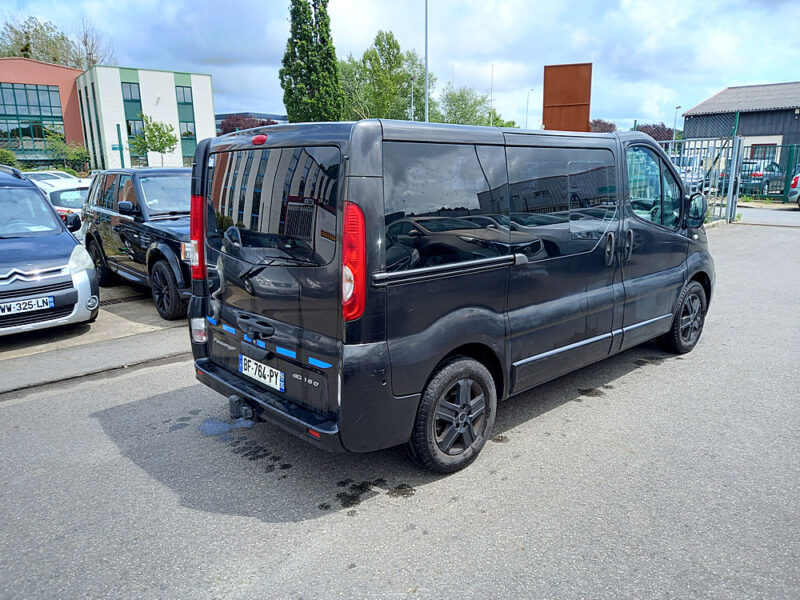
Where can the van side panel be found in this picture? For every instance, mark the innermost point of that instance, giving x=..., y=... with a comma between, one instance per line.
x=427, y=320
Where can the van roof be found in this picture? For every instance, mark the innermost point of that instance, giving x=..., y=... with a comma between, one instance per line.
x=341, y=132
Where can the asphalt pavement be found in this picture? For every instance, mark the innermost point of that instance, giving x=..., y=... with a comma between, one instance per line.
x=647, y=475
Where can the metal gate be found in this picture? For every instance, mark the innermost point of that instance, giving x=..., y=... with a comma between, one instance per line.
x=711, y=166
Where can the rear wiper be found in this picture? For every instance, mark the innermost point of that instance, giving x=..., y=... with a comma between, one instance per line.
x=171, y=213
x=256, y=269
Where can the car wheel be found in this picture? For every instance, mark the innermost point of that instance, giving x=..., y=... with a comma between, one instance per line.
x=105, y=276
x=166, y=296
x=455, y=416
x=688, y=321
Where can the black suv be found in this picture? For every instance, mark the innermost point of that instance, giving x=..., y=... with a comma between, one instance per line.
x=340, y=291
x=136, y=224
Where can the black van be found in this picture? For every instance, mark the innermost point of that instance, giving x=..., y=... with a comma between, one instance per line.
x=346, y=288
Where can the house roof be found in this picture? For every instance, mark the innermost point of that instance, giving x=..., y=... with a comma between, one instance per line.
x=41, y=62
x=750, y=98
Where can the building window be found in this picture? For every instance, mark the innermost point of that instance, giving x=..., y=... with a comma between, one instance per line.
x=188, y=160
x=764, y=151
x=130, y=91
x=139, y=161
x=135, y=128
x=187, y=129
x=27, y=113
x=184, y=94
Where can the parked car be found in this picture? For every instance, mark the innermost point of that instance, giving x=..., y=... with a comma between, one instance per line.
x=46, y=277
x=360, y=350
x=690, y=168
x=66, y=195
x=794, y=187
x=761, y=177
x=48, y=175
x=136, y=226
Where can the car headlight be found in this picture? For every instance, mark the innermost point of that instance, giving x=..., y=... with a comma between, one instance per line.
x=80, y=260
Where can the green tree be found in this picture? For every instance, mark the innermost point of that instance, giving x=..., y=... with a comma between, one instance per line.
x=8, y=158
x=39, y=40
x=67, y=153
x=379, y=84
x=496, y=120
x=464, y=105
x=310, y=73
x=156, y=137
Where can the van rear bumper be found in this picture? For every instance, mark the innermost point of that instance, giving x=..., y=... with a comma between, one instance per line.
x=290, y=417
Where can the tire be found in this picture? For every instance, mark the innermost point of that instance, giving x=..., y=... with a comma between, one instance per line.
x=455, y=416
x=166, y=296
x=688, y=320
x=105, y=276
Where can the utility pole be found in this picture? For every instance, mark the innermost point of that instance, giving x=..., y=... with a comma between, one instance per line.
x=426, y=61
x=491, y=98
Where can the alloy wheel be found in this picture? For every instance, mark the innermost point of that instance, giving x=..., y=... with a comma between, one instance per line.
x=160, y=291
x=460, y=417
x=691, y=319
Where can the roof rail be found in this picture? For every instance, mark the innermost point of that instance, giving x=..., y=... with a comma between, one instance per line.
x=12, y=171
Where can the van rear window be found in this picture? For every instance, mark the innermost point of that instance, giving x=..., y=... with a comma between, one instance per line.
x=277, y=203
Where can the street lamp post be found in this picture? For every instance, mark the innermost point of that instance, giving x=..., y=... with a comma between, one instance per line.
x=527, y=104
x=675, y=122
x=426, y=61
x=413, y=79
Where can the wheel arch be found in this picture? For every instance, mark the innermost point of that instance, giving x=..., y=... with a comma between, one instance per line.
x=703, y=279
x=483, y=354
x=159, y=251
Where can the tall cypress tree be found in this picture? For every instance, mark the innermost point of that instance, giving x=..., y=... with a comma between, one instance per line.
x=310, y=73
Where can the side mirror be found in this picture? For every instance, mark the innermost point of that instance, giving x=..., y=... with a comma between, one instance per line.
x=414, y=233
x=696, y=214
x=73, y=222
x=232, y=237
x=126, y=207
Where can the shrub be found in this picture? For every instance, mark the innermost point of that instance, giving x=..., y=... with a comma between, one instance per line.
x=8, y=158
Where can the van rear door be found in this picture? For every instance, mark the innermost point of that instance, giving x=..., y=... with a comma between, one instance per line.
x=272, y=260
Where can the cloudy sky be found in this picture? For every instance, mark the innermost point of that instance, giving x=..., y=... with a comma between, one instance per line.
x=649, y=56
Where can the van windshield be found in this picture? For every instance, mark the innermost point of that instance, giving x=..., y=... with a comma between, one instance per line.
x=25, y=213
x=274, y=204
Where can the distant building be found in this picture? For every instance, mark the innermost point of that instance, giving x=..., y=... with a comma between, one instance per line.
x=220, y=117
x=37, y=97
x=112, y=99
x=769, y=117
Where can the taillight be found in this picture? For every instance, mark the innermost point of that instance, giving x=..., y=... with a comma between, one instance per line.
x=197, y=232
x=354, y=263
x=795, y=181
x=757, y=174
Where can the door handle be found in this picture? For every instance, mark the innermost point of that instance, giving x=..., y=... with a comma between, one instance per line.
x=609, y=254
x=253, y=325
x=628, y=250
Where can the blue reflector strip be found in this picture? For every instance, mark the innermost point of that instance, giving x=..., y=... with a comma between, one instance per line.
x=211, y=320
x=247, y=338
x=285, y=352
x=318, y=363
x=260, y=344
x=229, y=329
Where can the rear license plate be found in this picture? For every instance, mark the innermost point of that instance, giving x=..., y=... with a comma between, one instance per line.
x=21, y=306
x=263, y=373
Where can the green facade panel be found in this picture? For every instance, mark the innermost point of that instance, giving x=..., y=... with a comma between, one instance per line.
x=183, y=79
x=129, y=75
x=188, y=146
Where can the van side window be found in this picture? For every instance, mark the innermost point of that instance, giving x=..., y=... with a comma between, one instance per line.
x=275, y=203
x=430, y=191
x=655, y=194
x=565, y=197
